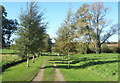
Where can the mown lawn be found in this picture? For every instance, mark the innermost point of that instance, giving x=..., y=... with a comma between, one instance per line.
x=89, y=67
x=20, y=72
x=83, y=67
x=7, y=51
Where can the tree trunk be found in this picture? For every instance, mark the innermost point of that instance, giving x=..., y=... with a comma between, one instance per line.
x=98, y=42
x=40, y=54
x=58, y=55
x=37, y=56
x=98, y=48
x=33, y=59
x=68, y=60
x=27, y=61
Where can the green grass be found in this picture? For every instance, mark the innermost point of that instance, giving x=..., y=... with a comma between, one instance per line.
x=8, y=58
x=49, y=72
x=83, y=67
x=0, y=78
x=22, y=73
x=89, y=67
x=7, y=51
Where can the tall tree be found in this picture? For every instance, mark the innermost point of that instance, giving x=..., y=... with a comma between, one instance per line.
x=1, y=27
x=83, y=26
x=91, y=18
x=48, y=43
x=32, y=31
x=66, y=35
x=9, y=26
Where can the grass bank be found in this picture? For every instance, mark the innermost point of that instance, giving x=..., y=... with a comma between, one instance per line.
x=22, y=73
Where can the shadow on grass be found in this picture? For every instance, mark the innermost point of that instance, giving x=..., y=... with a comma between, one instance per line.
x=75, y=60
x=83, y=59
x=91, y=63
x=47, y=55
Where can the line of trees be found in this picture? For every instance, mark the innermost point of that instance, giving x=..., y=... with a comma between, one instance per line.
x=32, y=38
x=85, y=30
x=81, y=32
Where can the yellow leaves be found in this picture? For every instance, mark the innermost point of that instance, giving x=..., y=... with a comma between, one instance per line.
x=82, y=24
x=102, y=22
x=96, y=6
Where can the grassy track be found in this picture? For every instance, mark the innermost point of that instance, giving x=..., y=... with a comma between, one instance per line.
x=21, y=73
x=90, y=67
x=49, y=70
x=83, y=67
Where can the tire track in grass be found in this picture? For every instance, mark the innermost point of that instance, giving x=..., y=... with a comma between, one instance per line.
x=39, y=76
x=49, y=73
x=58, y=75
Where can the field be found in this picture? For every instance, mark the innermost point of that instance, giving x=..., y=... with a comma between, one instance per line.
x=89, y=67
x=8, y=58
x=7, y=51
x=83, y=67
x=59, y=42
x=20, y=72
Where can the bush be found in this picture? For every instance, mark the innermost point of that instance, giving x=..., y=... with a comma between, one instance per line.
x=91, y=48
x=81, y=48
x=110, y=49
x=118, y=50
x=105, y=49
x=115, y=49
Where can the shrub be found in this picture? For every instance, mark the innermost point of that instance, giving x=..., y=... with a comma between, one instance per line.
x=110, y=49
x=118, y=50
x=91, y=48
x=82, y=48
x=115, y=49
x=105, y=49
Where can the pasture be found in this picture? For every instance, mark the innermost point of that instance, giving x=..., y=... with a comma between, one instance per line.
x=89, y=67
x=9, y=58
x=20, y=72
x=7, y=51
x=83, y=67
x=77, y=42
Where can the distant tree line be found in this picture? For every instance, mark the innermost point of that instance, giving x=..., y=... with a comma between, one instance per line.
x=111, y=42
x=85, y=30
x=110, y=49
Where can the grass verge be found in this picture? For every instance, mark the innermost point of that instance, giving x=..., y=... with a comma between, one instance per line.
x=49, y=72
x=22, y=73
